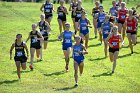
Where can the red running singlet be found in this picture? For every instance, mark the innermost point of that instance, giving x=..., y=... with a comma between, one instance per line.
x=131, y=25
x=115, y=41
x=122, y=15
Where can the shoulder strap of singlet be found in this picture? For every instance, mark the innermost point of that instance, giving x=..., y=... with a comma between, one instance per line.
x=86, y=20
x=30, y=32
x=36, y=32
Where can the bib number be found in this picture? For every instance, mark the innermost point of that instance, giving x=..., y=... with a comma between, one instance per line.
x=19, y=54
x=113, y=14
x=84, y=28
x=78, y=15
x=129, y=28
x=60, y=14
x=34, y=40
x=76, y=54
x=123, y=17
x=47, y=10
x=114, y=43
x=101, y=20
x=67, y=41
x=106, y=32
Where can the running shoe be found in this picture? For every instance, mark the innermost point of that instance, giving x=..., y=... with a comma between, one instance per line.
x=67, y=68
x=31, y=67
x=76, y=85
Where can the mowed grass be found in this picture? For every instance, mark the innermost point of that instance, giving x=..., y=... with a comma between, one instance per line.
x=49, y=75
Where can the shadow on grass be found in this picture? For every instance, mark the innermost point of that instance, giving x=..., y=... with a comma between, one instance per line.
x=55, y=73
x=66, y=88
x=126, y=55
x=90, y=59
x=103, y=74
x=94, y=45
x=8, y=82
x=24, y=71
x=91, y=38
x=136, y=52
x=138, y=36
x=36, y=61
x=124, y=47
x=53, y=40
x=138, y=41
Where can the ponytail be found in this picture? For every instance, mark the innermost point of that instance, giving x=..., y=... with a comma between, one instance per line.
x=15, y=40
x=81, y=41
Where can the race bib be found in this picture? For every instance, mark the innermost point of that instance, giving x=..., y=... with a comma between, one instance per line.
x=34, y=40
x=78, y=15
x=67, y=41
x=114, y=43
x=113, y=14
x=19, y=54
x=122, y=17
x=84, y=28
x=101, y=20
x=106, y=32
x=60, y=14
x=47, y=10
x=129, y=28
x=76, y=54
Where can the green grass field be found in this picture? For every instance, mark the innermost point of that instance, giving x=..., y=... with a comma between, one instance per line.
x=49, y=75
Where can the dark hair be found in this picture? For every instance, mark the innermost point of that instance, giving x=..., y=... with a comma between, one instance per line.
x=46, y=1
x=101, y=7
x=81, y=41
x=17, y=36
x=83, y=12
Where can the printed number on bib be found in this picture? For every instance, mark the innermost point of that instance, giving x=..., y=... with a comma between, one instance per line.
x=76, y=54
x=123, y=17
x=34, y=40
x=47, y=10
x=67, y=40
x=60, y=14
x=129, y=28
x=101, y=20
x=78, y=15
x=113, y=14
x=114, y=43
x=19, y=54
x=106, y=32
x=84, y=28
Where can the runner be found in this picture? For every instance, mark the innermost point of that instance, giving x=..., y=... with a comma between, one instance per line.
x=72, y=8
x=78, y=55
x=94, y=12
x=67, y=43
x=78, y=13
x=48, y=8
x=35, y=44
x=113, y=40
x=131, y=23
x=61, y=11
x=20, y=56
x=84, y=23
x=100, y=17
x=45, y=29
x=106, y=27
x=122, y=14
